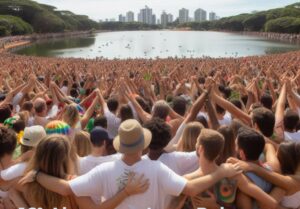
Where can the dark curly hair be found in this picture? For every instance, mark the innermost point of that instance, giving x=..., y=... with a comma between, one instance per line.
x=8, y=141
x=161, y=133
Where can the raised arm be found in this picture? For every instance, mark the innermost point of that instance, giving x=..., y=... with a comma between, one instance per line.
x=198, y=104
x=236, y=112
x=89, y=112
x=212, y=115
x=279, y=113
x=143, y=115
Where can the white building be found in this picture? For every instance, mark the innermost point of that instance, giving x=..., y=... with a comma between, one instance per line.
x=212, y=16
x=170, y=18
x=183, y=15
x=129, y=16
x=153, y=20
x=200, y=15
x=122, y=18
x=146, y=16
x=164, y=19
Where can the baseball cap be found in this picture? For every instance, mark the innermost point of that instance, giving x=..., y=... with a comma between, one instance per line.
x=99, y=133
x=33, y=135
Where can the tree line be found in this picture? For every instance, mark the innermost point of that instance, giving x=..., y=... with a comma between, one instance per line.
x=18, y=17
x=280, y=20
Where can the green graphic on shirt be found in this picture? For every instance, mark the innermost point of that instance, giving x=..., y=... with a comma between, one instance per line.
x=123, y=179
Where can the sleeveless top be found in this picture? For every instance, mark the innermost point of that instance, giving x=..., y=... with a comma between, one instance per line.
x=292, y=201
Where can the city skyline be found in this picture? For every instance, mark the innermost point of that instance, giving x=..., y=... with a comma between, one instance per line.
x=109, y=9
x=147, y=16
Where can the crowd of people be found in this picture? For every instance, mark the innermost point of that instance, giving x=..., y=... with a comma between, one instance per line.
x=159, y=134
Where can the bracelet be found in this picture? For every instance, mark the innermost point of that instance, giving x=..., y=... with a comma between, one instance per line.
x=36, y=174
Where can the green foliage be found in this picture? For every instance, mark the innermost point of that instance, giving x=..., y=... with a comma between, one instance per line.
x=255, y=22
x=282, y=20
x=11, y=25
x=45, y=18
x=284, y=24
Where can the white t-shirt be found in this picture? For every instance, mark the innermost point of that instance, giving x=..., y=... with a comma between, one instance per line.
x=64, y=89
x=113, y=123
x=108, y=178
x=17, y=99
x=295, y=136
x=170, y=147
x=13, y=172
x=89, y=162
x=226, y=119
x=180, y=162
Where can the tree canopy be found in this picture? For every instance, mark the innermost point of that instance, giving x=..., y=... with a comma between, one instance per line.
x=41, y=18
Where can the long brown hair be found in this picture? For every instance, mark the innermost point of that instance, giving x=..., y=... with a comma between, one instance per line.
x=289, y=157
x=82, y=143
x=189, y=137
x=52, y=156
x=229, y=145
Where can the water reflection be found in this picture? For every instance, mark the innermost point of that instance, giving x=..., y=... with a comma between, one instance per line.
x=162, y=44
x=53, y=47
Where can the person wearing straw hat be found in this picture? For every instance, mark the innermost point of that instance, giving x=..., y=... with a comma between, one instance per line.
x=109, y=178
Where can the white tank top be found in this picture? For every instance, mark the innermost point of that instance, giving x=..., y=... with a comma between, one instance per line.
x=292, y=201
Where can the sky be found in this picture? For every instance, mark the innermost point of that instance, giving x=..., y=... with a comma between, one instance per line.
x=102, y=9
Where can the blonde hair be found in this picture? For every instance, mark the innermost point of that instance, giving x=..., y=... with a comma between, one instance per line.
x=189, y=137
x=71, y=115
x=52, y=156
x=82, y=143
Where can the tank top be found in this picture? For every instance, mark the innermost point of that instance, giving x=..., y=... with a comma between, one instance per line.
x=292, y=201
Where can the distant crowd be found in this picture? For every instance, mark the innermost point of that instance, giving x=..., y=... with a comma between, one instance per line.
x=160, y=134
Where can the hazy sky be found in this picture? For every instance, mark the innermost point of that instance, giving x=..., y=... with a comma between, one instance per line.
x=102, y=9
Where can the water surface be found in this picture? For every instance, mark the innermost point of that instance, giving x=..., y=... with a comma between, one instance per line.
x=163, y=44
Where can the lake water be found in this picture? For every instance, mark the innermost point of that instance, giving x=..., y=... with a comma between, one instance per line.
x=152, y=44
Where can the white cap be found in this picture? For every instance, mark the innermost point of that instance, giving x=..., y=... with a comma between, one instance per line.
x=33, y=135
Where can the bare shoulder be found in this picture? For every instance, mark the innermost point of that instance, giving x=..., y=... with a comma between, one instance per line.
x=196, y=174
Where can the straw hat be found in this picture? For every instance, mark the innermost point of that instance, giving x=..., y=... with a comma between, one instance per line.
x=132, y=137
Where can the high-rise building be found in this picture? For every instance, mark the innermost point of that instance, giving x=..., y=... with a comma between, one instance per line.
x=170, y=18
x=183, y=15
x=200, y=15
x=164, y=19
x=212, y=16
x=145, y=16
x=153, y=20
x=129, y=16
x=122, y=18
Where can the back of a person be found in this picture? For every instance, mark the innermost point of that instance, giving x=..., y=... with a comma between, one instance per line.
x=89, y=162
x=292, y=136
x=116, y=175
x=180, y=162
x=65, y=202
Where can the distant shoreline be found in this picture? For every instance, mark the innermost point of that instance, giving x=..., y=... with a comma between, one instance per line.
x=14, y=42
